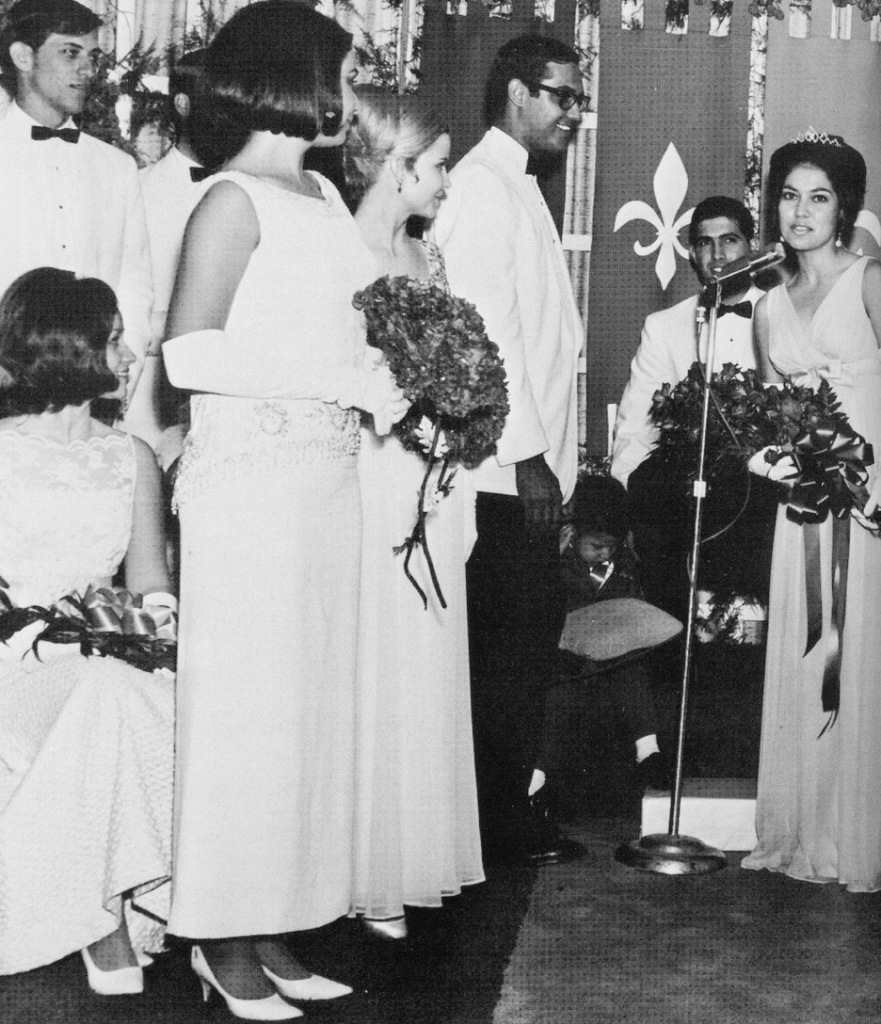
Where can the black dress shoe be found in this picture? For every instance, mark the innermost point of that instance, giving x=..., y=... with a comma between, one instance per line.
x=546, y=845
x=563, y=851
x=655, y=772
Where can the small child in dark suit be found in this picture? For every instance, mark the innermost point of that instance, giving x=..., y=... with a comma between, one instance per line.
x=597, y=565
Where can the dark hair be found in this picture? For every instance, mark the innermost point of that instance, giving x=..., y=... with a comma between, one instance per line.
x=274, y=66
x=843, y=166
x=33, y=21
x=54, y=329
x=599, y=505
x=525, y=58
x=184, y=78
x=721, y=206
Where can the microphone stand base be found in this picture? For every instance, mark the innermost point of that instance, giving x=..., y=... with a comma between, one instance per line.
x=671, y=855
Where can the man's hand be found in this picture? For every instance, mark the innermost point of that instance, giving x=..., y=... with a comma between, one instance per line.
x=539, y=490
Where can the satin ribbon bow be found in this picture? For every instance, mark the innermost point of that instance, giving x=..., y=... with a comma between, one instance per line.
x=115, y=610
x=831, y=464
x=833, y=371
x=40, y=133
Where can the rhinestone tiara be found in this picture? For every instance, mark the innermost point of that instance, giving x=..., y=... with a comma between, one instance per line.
x=811, y=135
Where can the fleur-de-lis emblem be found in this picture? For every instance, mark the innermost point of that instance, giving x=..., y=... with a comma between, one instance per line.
x=671, y=185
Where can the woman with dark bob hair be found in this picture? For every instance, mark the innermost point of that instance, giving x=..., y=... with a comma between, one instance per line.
x=86, y=744
x=817, y=817
x=53, y=331
x=264, y=333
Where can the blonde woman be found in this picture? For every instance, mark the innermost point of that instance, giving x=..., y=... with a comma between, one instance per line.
x=417, y=837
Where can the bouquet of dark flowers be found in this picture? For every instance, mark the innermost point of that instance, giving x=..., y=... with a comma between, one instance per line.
x=439, y=354
x=745, y=417
x=108, y=622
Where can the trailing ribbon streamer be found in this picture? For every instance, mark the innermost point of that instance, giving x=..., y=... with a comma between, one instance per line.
x=832, y=477
x=418, y=537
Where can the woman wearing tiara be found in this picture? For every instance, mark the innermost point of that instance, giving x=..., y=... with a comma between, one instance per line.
x=818, y=815
x=416, y=835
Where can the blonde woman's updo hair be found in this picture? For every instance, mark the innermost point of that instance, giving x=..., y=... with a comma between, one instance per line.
x=387, y=125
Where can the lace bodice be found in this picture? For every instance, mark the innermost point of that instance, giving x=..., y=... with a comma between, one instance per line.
x=65, y=513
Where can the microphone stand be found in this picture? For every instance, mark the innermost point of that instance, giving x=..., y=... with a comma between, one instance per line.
x=671, y=853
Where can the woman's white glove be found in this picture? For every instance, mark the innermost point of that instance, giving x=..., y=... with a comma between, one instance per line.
x=783, y=469
x=373, y=389
x=216, y=362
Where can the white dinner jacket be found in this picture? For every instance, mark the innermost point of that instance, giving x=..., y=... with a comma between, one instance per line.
x=77, y=207
x=667, y=349
x=503, y=253
x=169, y=197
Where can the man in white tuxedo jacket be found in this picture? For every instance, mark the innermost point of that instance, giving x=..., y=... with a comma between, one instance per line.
x=503, y=253
x=68, y=200
x=661, y=515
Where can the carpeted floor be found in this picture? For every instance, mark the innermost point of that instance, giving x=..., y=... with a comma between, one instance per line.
x=588, y=943
x=605, y=944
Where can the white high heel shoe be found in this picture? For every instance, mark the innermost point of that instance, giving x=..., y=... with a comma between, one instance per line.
x=127, y=981
x=393, y=928
x=313, y=987
x=269, y=1008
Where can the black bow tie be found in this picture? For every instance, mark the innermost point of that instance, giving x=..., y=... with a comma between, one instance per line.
x=744, y=308
x=39, y=133
x=200, y=173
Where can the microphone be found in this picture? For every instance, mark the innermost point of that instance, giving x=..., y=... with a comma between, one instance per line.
x=751, y=264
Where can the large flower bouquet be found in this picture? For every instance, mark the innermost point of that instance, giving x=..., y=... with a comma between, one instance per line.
x=438, y=351
x=108, y=622
x=744, y=417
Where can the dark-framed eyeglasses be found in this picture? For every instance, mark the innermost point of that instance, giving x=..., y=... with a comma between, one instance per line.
x=565, y=97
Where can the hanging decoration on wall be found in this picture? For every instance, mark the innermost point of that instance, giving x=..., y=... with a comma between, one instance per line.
x=670, y=186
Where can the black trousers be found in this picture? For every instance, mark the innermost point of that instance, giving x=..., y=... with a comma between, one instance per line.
x=515, y=618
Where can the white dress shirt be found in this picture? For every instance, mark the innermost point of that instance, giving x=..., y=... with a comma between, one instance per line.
x=503, y=253
x=77, y=207
x=667, y=349
x=169, y=197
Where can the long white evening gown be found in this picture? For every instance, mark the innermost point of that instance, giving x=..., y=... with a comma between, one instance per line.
x=270, y=544
x=416, y=836
x=818, y=813
x=86, y=744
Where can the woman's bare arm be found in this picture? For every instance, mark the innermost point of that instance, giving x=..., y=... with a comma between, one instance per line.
x=146, y=564
x=761, y=333
x=221, y=234
x=872, y=296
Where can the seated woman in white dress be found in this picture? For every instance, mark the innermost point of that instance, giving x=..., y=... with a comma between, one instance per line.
x=86, y=743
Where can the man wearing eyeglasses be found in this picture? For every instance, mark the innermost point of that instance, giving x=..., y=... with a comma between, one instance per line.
x=503, y=253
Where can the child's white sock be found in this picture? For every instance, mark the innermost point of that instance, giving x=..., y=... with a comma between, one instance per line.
x=646, y=745
x=536, y=782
